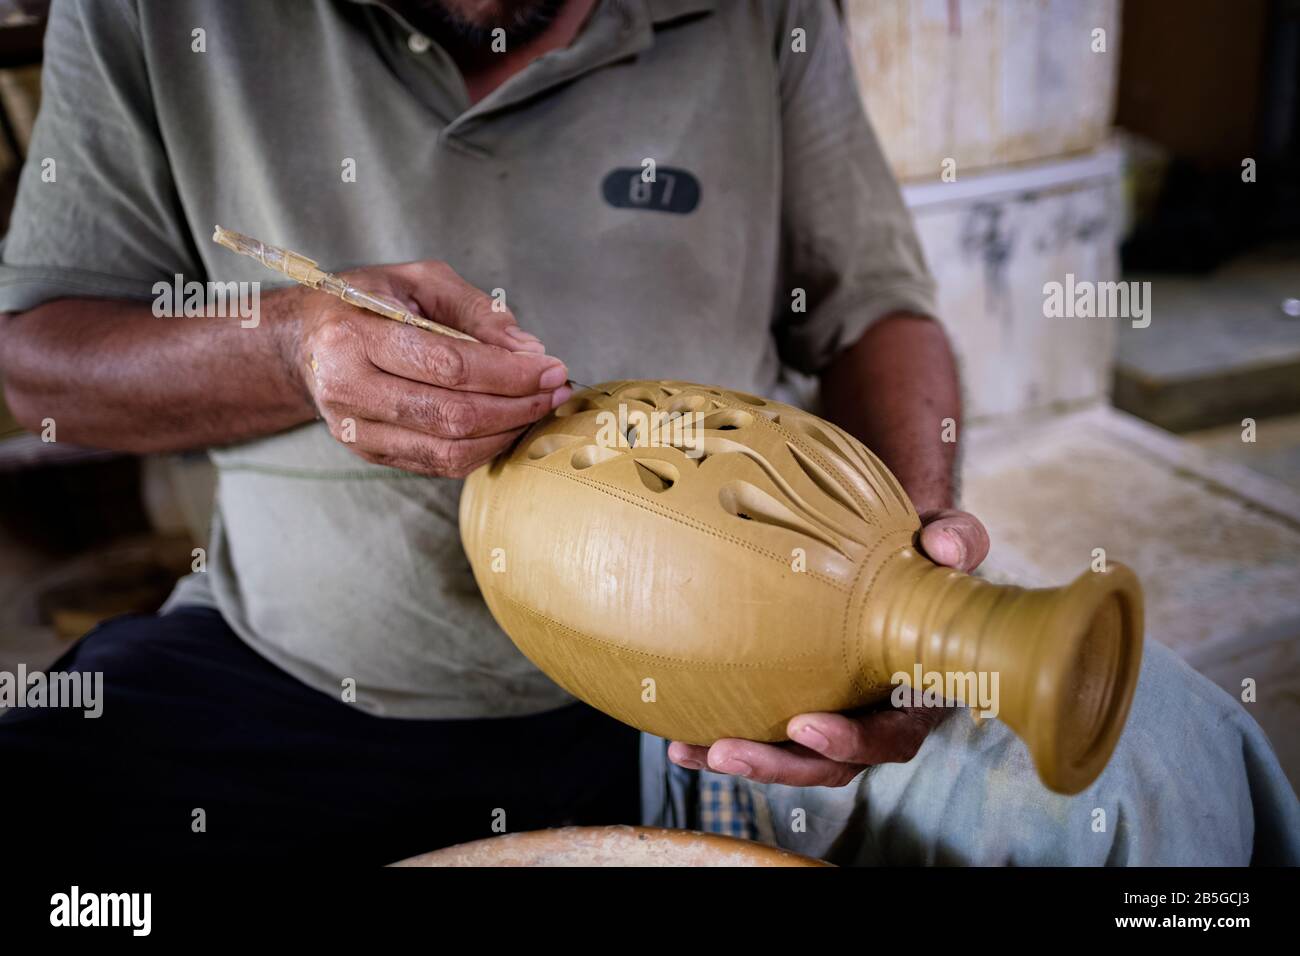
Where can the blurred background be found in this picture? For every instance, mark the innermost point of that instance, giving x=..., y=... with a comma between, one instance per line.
x=1149, y=140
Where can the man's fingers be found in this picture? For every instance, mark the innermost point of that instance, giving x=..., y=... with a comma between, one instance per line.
x=445, y=297
x=825, y=750
x=397, y=447
x=464, y=366
x=436, y=411
x=887, y=736
x=690, y=756
x=793, y=766
x=955, y=539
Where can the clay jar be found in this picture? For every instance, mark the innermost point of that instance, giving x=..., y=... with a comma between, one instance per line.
x=702, y=564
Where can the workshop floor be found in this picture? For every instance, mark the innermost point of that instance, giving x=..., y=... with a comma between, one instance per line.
x=1275, y=451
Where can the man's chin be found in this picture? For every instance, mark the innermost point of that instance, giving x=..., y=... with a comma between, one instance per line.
x=473, y=22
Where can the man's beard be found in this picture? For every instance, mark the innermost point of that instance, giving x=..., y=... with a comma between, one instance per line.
x=471, y=25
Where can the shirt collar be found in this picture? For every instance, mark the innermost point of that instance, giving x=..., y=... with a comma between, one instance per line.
x=665, y=11
x=617, y=29
x=660, y=11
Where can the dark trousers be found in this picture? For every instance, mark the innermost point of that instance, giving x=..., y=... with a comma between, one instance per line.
x=194, y=720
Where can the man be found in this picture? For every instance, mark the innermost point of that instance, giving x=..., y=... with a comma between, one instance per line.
x=332, y=685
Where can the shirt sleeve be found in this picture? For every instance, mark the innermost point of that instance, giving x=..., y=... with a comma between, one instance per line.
x=97, y=214
x=847, y=239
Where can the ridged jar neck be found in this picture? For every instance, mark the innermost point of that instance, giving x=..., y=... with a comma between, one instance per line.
x=1063, y=662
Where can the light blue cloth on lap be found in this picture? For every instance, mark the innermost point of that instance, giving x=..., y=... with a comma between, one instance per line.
x=1193, y=782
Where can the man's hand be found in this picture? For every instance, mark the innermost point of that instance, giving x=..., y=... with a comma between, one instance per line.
x=829, y=750
x=417, y=400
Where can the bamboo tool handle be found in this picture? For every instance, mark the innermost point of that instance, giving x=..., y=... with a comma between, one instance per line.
x=301, y=269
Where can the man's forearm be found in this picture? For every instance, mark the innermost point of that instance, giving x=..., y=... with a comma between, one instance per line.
x=112, y=375
x=893, y=390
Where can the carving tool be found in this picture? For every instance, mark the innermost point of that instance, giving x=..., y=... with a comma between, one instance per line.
x=301, y=269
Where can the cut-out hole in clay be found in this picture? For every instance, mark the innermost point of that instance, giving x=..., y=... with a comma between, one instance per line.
x=751, y=503
x=689, y=403
x=589, y=455
x=656, y=475
x=640, y=394
x=728, y=419
x=550, y=444
x=576, y=405
x=809, y=430
x=824, y=480
x=746, y=398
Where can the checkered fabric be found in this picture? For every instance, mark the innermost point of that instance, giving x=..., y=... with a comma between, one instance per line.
x=726, y=806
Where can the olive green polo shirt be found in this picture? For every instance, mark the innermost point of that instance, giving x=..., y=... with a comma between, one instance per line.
x=773, y=233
